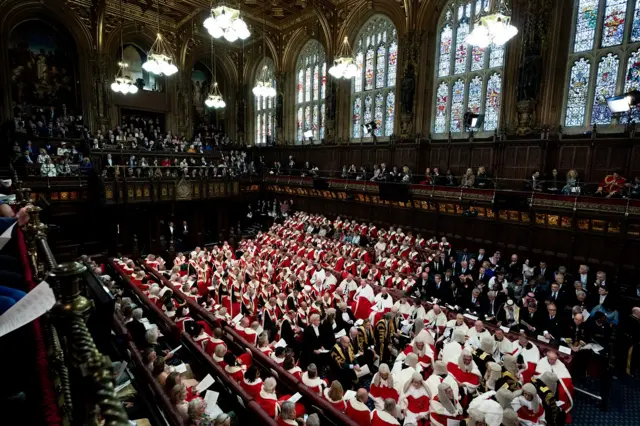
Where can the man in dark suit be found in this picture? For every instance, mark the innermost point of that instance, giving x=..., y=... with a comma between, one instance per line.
x=464, y=268
x=552, y=324
x=473, y=301
x=437, y=266
x=531, y=319
x=312, y=343
x=544, y=271
x=584, y=276
x=289, y=329
x=556, y=296
x=437, y=288
x=172, y=232
x=464, y=256
x=453, y=265
x=421, y=288
x=490, y=307
x=481, y=256
x=514, y=268
x=453, y=295
x=482, y=276
x=137, y=329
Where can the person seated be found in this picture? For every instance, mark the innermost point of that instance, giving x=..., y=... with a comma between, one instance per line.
x=251, y=382
x=312, y=381
x=335, y=395
x=612, y=185
x=196, y=413
x=383, y=387
x=357, y=409
x=445, y=408
x=278, y=356
x=290, y=366
x=137, y=329
x=178, y=398
x=387, y=415
x=174, y=378
x=420, y=347
x=287, y=415
x=160, y=371
x=571, y=185
x=415, y=400
x=529, y=407
x=466, y=372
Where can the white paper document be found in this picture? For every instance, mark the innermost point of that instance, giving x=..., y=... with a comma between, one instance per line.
x=505, y=329
x=281, y=344
x=121, y=368
x=543, y=339
x=179, y=368
x=211, y=398
x=364, y=370
x=122, y=386
x=472, y=318
x=323, y=351
x=149, y=326
x=348, y=395
x=6, y=235
x=295, y=397
x=205, y=384
x=35, y=304
x=340, y=334
x=176, y=350
x=564, y=350
x=451, y=422
x=237, y=318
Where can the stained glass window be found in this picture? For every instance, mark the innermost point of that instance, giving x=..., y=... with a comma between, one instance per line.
x=300, y=86
x=442, y=95
x=390, y=113
x=635, y=29
x=586, y=22
x=357, y=113
x=492, y=102
x=300, y=123
x=605, y=87
x=474, y=103
x=265, y=120
x=393, y=64
x=373, y=97
x=311, y=62
x=444, y=67
x=464, y=75
x=613, y=25
x=457, y=106
x=632, y=82
x=595, y=72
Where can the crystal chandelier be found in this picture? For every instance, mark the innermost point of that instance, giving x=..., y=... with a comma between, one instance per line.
x=160, y=59
x=492, y=26
x=264, y=86
x=215, y=100
x=343, y=65
x=123, y=83
x=226, y=22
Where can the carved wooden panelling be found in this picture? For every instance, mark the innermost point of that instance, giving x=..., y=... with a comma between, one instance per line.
x=482, y=156
x=459, y=159
x=573, y=157
x=438, y=157
x=521, y=161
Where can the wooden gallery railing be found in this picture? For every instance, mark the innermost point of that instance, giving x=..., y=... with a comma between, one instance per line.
x=81, y=374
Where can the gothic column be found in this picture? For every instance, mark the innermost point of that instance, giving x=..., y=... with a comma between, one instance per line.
x=409, y=49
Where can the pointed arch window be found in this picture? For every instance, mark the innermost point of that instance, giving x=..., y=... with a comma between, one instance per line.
x=265, y=116
x=373, y=89
x=469, y=78
x=604, y=61
x=311, y=69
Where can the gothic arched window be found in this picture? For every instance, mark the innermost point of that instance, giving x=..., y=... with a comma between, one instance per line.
x=373, y=96
x=266, y=107
x=311, y=75
x=604, y=60
x=468, y=78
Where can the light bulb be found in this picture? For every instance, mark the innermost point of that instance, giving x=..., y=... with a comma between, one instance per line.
x=209, y=22
x=115, y=86
x=244, y=34
x=224, y=20
x=222, y=104
x=238, y=25
x=231, y=35
x=216, y=31
x=133, y=89
x=479, y=37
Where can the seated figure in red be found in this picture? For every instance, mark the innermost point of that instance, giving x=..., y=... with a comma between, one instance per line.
x=612, y=185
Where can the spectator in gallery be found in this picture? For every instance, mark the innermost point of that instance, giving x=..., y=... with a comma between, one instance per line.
x=468, y=179
x=427, y=177
x=572, y=182
x=482, y=179
x=553, y=184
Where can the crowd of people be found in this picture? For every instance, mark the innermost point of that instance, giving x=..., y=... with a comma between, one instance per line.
x=308, y=300
x=47, y=122
x=147, y=134
x=51, y=160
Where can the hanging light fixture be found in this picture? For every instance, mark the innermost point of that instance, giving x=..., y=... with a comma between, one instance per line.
x=225, y=21
x=123, y=82
x=343, y=64
x=493, y=26
x=264, y=86
x=215, y=99
x=160, y=59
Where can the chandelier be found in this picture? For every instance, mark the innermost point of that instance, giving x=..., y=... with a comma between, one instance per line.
x=160, y=59
x=343, y=65
x=226, y=22
x=264, y=86
x=123, y=83
x=493, y=26
x=215, y=100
